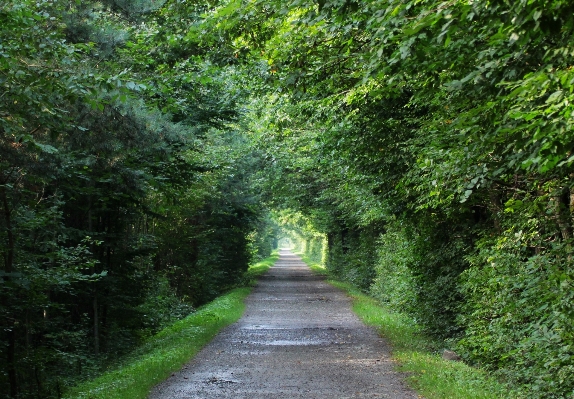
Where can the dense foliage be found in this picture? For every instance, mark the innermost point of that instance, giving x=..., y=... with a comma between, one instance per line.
x=431, y=144
x=125, y=186
x=423, y=149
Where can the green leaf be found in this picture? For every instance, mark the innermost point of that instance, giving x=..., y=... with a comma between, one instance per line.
x=46, y=148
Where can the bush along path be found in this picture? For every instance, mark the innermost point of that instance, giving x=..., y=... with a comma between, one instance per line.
x=298, y=339
x=172, y=347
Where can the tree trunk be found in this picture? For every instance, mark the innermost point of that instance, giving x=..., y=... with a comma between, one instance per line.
x=96, y=325
x=495, y=207
x=11, y=357
x=9, y=258
x=9, y=268
x=561, y=203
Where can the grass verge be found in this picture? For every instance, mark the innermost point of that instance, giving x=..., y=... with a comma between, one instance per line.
x=429, y=374
x=171, y=348
x=259, y=268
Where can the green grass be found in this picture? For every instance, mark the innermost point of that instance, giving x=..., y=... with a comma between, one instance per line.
x=259, y=268
x=171, y=348
x=429, y=374
x=314, y=266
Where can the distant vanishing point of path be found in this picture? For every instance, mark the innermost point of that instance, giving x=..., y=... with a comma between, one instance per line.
x=297, y=339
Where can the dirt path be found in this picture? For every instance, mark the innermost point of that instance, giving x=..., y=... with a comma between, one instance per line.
x=297, y=339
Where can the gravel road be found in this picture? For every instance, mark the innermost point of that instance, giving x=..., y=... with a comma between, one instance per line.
x=297, y=339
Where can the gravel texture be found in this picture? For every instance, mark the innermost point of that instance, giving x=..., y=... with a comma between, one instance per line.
x=297, y=339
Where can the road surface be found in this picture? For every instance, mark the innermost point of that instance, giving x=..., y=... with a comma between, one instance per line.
x=297, y=339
